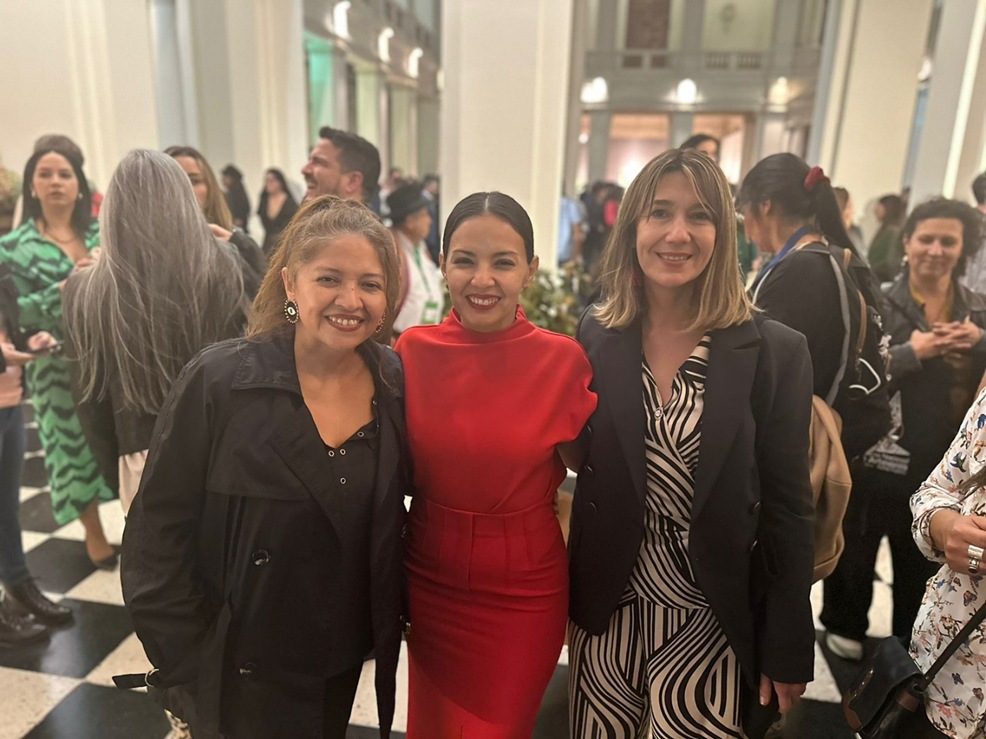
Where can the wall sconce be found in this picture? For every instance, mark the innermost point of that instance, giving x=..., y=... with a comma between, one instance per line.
x=412, y=61
x=383, y=43
x=687, y=92
x=779, y=93
x=595, y=91
x=340, y=18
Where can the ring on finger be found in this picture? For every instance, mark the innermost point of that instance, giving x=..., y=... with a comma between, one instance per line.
x=975, y=552
x=974, y=565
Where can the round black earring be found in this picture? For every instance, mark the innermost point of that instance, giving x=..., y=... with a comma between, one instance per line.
x=291, y=311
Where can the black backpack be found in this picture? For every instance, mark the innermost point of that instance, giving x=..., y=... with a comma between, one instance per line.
x=859, y=392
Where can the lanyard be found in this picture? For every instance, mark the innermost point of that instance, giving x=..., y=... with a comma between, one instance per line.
x=416, y=251
x=765, y=270
x=795, y=237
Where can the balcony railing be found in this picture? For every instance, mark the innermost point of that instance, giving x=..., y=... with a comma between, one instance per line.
x=640, y=60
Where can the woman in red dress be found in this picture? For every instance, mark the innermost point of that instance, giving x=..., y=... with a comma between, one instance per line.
x=494, y=406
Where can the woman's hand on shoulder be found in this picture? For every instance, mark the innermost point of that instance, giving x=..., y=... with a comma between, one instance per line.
x=788, y=694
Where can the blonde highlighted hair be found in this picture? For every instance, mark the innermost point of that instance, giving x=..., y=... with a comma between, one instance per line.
x=720, y=297
x=313, y=227
x=216, y=210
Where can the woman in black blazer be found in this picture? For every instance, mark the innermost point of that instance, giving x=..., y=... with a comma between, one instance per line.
x=691, y=544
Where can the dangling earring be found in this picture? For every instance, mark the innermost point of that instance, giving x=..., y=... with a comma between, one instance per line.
x=33, y=194
x=80, y=196
x=291, y=310
x=383, y=320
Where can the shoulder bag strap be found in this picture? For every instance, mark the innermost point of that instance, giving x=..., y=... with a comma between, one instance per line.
x=977, y=618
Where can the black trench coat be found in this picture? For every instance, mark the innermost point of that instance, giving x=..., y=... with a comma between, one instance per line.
x=234, y=561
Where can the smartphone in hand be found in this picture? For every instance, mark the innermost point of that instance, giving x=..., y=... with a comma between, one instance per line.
x=47, y=351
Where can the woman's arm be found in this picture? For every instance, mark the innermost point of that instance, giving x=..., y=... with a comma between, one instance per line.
x=940, y=529
x=158, y=566
x=786, y=527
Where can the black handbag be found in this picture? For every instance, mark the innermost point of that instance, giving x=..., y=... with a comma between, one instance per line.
x=883, y=701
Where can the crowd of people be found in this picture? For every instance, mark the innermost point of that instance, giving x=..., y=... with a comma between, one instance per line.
x=263, y=411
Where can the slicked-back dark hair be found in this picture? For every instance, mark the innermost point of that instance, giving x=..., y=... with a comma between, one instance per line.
x=979, y=188
x=356, y=154
x=780, y=179
x=82, y=212
x=970, y=218
x=496, y=204
x=693, y=142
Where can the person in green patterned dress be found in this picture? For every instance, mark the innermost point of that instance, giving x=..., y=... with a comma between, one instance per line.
x=58, y=236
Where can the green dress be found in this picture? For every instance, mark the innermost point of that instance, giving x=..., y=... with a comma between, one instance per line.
x=38, y=265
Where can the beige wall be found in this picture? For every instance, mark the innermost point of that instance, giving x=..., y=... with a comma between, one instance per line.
x=79, y=68
x=867, y=135
x=751, y=29
x=504, y=108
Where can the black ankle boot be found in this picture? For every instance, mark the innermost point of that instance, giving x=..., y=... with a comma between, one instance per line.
x=27, y=597
x=16, y=630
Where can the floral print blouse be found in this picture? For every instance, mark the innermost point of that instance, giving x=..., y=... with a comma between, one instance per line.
x=955, y=700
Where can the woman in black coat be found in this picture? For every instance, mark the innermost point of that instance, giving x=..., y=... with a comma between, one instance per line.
x=262, y=559
x=938, y=354
x=691, y=538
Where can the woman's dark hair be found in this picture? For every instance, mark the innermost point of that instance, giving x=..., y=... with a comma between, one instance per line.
x=82, y=212
x=970, y=218
x=279, y=176
x=231, y=170
x=496, y=204
x=893, y=210
x=693, y=142
x=780, y=179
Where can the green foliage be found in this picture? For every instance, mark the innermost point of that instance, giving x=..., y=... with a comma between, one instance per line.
x=554, y=301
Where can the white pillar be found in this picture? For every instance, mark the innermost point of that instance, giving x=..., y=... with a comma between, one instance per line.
x=428, y=135
x=950, y=99
x=85, y=70
x=404, y=129
x=503, y=111
x=870, y=105
x=599, y=125
x=681, y=126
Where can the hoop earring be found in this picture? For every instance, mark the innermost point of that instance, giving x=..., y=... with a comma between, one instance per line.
x=291, y=310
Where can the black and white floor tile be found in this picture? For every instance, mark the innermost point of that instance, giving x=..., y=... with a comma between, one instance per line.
x=63, y=689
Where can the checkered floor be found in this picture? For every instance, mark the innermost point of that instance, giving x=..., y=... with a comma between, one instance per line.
x=64, y=689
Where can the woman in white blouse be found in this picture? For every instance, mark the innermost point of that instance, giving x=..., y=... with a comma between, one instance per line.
x=950, y=527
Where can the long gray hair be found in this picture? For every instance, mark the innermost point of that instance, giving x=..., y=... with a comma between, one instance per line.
x=163, y=288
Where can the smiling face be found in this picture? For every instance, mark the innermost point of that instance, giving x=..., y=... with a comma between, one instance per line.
x=195, y=176
x=933, y=250
x=676, y=236
x=54, y=181
x=324, y=175
x=341, y=295
x=486, y=268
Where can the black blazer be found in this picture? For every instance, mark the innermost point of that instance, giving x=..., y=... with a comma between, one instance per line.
x=237, y=564
x=750, y=543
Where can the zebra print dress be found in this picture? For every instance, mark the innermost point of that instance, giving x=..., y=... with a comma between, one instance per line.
x=38, y=266
x=663, y=665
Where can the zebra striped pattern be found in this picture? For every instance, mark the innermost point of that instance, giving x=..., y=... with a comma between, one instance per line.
x=37, y=266
x=663, y=667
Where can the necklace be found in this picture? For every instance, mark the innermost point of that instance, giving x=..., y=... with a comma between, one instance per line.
x=49, y=235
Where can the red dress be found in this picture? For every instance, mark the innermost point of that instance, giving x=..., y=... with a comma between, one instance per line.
x=487, y=567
